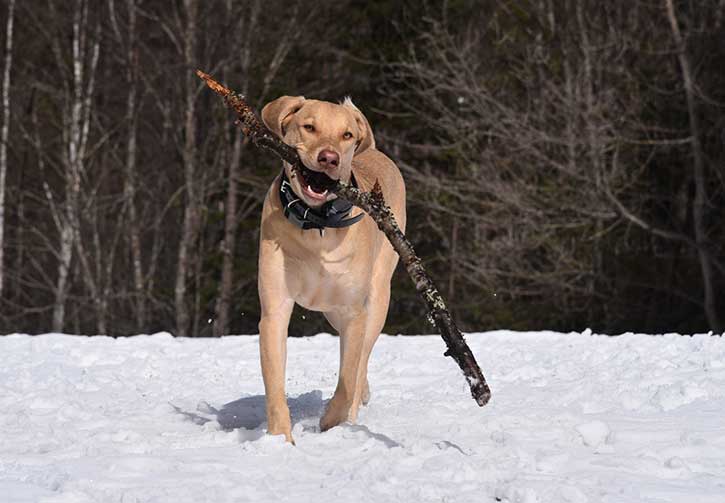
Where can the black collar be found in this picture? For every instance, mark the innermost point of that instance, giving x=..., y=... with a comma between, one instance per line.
x=331, y=214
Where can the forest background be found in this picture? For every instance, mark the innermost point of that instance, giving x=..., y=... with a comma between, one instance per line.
x=564, y=159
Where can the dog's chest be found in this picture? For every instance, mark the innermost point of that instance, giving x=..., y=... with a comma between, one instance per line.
x=331, y=275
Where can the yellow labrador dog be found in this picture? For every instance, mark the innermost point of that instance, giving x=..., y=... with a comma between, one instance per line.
x=319, y=252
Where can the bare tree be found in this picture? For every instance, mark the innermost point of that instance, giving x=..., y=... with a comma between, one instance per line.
x=191, y=211
x=85, y=51
x=698, y=173
x=540, y=150
x=4, y=133
x=247, y=26
x=127, y=36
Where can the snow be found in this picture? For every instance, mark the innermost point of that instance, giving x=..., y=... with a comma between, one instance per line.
x=594, y=433
x=574, y=418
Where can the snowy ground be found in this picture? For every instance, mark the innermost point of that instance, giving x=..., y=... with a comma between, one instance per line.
x=574, y=418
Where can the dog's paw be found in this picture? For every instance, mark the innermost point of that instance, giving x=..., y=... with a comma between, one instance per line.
x=287, y=432
x=279, y=423
x=331, y=420
x=337, y=413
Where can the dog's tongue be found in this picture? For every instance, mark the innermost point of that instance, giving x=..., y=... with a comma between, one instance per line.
x=317, y=181
x=314, y=194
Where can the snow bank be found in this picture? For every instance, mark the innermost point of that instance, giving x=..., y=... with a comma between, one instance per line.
x=574, y=418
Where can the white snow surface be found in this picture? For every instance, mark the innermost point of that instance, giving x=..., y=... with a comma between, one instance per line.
x=574, y=418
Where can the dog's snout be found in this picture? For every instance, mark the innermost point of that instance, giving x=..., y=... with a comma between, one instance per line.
x=328, y=159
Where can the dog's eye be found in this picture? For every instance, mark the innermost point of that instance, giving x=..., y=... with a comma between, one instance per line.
x=347, y=135
x=309, y=127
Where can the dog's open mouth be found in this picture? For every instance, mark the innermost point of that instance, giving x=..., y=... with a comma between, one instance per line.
x=315, y=183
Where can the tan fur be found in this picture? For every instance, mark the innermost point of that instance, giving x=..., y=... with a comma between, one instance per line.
x=344, y=273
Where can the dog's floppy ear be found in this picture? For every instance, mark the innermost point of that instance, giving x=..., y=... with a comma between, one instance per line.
x=278, y=113
x=366, y=140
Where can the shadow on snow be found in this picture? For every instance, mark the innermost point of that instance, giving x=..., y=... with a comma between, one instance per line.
x=248, y=413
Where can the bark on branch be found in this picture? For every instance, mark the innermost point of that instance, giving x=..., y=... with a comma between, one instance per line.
x=374, y=205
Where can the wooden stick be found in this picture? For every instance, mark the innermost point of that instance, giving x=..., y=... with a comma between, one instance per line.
x=374, y=205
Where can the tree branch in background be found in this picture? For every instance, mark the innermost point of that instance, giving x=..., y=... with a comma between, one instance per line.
x=374, y=205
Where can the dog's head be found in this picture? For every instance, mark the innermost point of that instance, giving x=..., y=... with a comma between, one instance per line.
x=326, y=135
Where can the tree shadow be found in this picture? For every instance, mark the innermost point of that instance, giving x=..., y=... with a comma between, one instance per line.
x=249, y=412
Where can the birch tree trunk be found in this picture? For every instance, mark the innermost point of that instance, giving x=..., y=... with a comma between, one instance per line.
x=228, y=245
x=130, y=179
x=132, y=117
x=700, y=201
x=77, y=121
x=190, y=225
x=224, y=298
x=4, y=133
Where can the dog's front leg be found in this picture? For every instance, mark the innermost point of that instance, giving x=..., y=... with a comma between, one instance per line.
x=277, y=305
x=273, y=355
x=344, y=404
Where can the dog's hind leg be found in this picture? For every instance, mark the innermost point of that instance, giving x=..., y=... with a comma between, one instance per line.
x=377, y=313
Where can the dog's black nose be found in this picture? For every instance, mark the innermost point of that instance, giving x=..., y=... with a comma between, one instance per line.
x=328, y=159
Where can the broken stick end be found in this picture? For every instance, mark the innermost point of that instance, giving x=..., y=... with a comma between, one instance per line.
x=213, y=84
x=483, y=399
